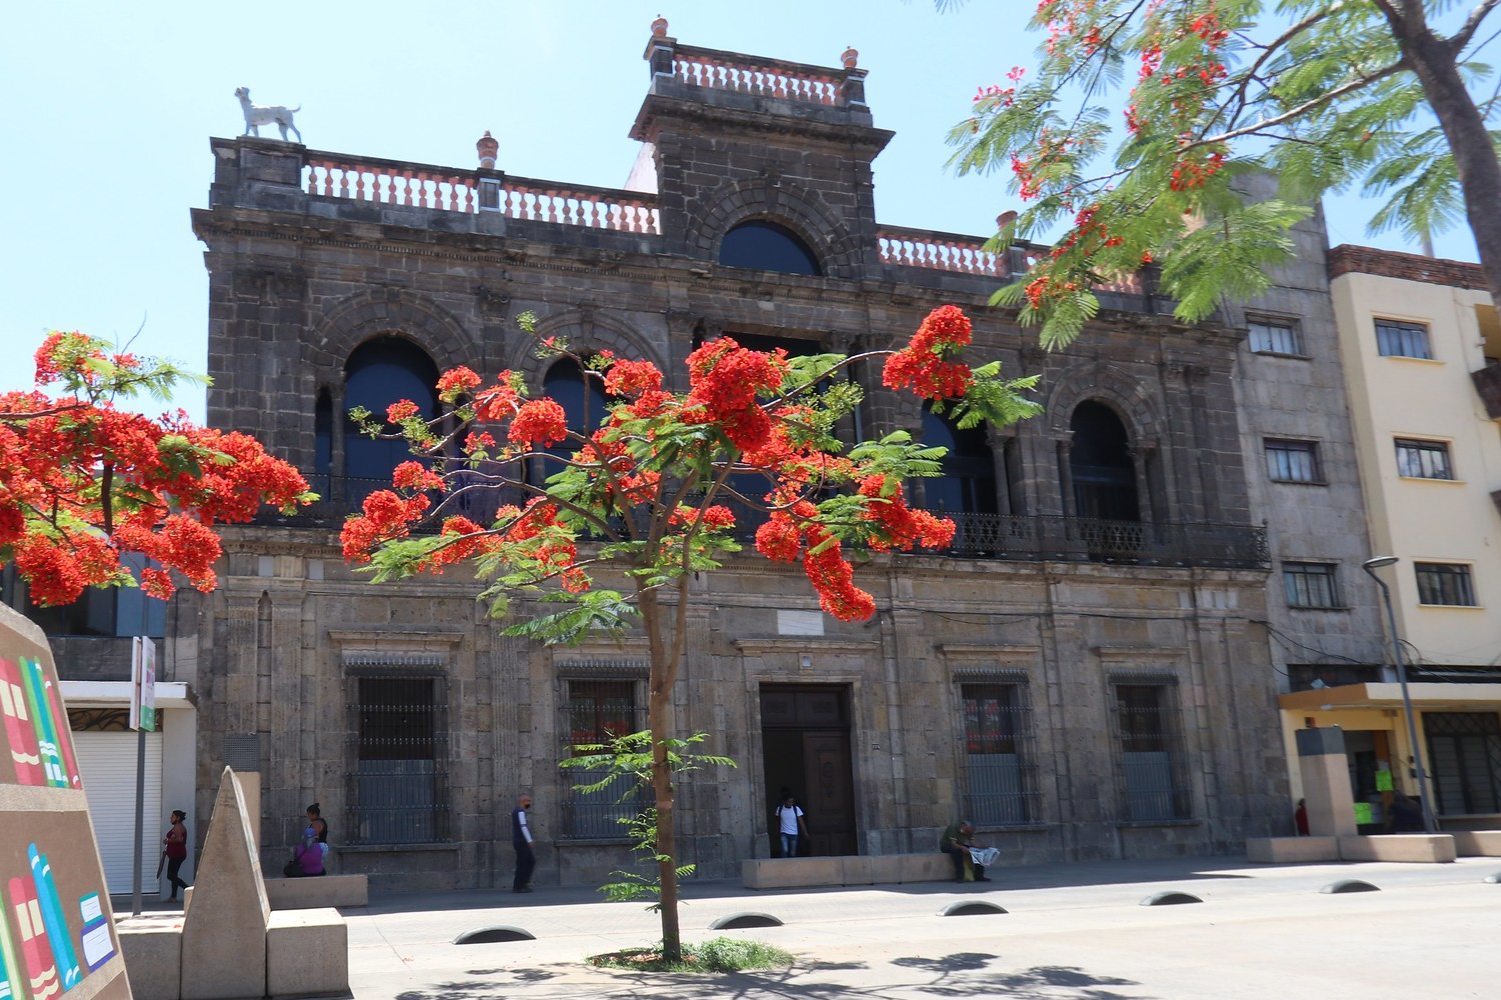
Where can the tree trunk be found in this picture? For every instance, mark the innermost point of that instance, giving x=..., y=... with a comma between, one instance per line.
x=659, y=721
x=1435, y=62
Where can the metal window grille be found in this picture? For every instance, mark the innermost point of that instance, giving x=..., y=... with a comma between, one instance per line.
x=1444, y=583
x=1275, y=338
x=1310, y=585
x=400, y=793
x=1402, y=340
x=594, y=711
x=1293, y=461
x=1464, y=750
x=999, y=749
x=1153, y=785
x=1423, y=459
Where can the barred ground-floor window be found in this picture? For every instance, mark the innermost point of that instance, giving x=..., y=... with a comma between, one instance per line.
x=1464, y=751
x=400, y=793
x=1144, y=717
x=595, y=711
x=998, y=761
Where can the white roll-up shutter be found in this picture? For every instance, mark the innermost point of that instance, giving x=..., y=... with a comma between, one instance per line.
x=107, y=762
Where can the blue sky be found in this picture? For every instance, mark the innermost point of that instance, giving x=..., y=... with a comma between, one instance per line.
x=110, y=107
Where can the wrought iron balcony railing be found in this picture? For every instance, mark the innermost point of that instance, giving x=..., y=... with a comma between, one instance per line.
x=978, y=536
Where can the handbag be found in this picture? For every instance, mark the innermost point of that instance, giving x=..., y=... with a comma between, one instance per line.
x=292, y=869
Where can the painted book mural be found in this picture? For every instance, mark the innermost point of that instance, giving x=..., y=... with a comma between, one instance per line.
x=57, y=936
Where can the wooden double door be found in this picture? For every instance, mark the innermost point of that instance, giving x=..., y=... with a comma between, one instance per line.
x=805, y=738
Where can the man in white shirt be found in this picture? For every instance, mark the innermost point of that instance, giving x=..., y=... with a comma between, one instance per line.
x=790, y=824
x=521, y=839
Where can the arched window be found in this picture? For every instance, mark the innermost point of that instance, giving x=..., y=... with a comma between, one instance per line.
x=967, y=485
x=378, y=373
x=1100, y=463
x=323, y=440
x=767, y=246
x=583, y=400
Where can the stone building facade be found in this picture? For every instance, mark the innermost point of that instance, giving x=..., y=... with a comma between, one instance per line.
x=1082, y=674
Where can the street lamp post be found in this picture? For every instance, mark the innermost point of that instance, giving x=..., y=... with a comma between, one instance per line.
x=1370, y=566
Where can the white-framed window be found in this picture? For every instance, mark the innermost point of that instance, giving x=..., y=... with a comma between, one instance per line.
x=1445, y=583
x=1396, y=339
x=1270, y=336
x=1290, y=461
x=1423, y=459
x=1310, y=585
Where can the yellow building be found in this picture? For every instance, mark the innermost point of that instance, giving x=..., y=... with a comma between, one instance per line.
x=1420, y=346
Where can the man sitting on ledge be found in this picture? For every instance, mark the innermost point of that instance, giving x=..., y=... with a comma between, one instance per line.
x=956, y=842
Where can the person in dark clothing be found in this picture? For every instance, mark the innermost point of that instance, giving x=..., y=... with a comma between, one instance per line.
x=1406, y=815
x=956, y=842
x=176, y=849
x=521, y=839
x=317, y=822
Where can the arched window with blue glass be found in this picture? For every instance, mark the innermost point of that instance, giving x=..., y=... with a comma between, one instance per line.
x=968, y=483
x=378, y=373
x=767, y=246
x=1101, y=465
x=582, y=399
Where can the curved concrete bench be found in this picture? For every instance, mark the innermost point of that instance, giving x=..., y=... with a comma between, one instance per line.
x=792, y=873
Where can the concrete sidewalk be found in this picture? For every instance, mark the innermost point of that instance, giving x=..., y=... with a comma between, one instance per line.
x=1072, y=931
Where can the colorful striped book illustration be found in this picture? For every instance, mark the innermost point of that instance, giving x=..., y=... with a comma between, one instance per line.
x=54, y=699
x=41, y=718
x=20, y=734
x=13, y=986
x=52, y=916
x=41, y=971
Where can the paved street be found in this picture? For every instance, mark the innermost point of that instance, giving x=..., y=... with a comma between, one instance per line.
x=1071, y=931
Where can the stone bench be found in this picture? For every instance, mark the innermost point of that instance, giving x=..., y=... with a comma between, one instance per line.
x=1421, y=847
x=307, y=893
x=1291, y=850
x=311, y=893
x=1477, y=843
x=793, y=873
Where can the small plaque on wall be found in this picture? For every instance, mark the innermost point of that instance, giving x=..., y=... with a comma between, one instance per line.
x=799, y=622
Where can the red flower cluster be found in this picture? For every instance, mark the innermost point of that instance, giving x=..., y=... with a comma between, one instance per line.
x=386, y=517
x=401, y=410
x=632, y=378
x=456, y=381
x=920, y=364
x=85, y=482
x=833, y=578
x=725, y=379
x=716, y=517
x=900, y=525
x=415, y=476
x=539, y=422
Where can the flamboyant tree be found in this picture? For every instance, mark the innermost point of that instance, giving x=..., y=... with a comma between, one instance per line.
x=656, y=491
x=1144, y=113
x=84, y=481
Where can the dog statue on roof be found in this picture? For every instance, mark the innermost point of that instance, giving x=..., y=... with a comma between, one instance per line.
x=276, y=115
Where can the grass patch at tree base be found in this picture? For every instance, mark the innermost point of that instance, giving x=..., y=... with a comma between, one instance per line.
x=721, y=954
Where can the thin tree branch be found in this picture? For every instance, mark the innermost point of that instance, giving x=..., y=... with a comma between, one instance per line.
x=1462, y=37
x=1357, y=84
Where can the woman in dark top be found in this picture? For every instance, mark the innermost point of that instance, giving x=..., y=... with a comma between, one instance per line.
x=176, y=849
x=315, y=820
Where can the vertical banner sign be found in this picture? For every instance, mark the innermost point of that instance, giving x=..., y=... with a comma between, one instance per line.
x=142, y=683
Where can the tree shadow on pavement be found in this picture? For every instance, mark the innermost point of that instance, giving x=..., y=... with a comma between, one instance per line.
x=959, y=975
x=504, y=984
